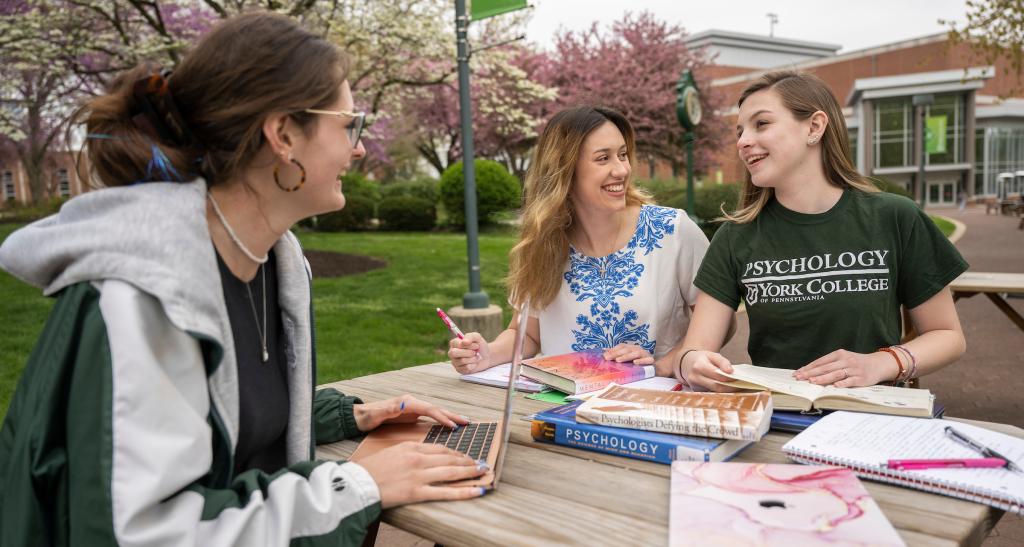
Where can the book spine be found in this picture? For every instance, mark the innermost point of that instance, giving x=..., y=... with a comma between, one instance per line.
x=599, y=439
x=709, y=426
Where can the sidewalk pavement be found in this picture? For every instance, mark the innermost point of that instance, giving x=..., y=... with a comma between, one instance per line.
x=987, y=383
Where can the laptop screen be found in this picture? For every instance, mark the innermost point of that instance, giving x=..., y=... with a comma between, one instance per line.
x=513, y=377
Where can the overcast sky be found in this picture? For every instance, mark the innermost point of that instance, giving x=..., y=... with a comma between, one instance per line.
x=853, y=24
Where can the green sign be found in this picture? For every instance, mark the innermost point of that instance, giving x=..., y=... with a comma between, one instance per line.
x=482, y=9
x=935, y=135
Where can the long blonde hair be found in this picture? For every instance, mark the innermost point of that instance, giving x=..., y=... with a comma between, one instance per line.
x=538, y=259
x=803, y=94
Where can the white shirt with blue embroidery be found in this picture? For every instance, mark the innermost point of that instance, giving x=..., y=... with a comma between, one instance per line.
x=640, y=294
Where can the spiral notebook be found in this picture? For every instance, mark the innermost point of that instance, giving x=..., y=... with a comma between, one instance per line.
x=864, y=442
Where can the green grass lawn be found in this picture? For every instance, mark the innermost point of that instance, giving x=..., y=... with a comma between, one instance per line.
x=946, y=226
x=366, y=323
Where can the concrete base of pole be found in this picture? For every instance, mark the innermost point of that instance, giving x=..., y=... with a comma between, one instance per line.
x=487, y=321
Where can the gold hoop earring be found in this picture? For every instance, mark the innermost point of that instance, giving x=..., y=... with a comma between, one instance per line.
x=302, y=176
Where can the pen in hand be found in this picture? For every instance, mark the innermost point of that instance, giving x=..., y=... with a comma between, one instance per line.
x=452, y=326
x=979, y=448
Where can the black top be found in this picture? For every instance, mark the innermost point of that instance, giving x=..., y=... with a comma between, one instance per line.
x=262, y=387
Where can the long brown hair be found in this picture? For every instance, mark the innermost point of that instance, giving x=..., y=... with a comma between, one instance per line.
x=538, y=259
x=243, y=69
x=803, y=94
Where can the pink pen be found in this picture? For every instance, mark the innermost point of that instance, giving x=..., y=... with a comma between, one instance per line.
x=946, y=463
x=452, y=326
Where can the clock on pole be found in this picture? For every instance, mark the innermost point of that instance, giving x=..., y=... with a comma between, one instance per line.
x=689, y=113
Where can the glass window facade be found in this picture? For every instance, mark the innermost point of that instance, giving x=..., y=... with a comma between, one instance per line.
x=894, y=133
x=999, y=150
x=950, y=106
x=63, y=185
x=8, y=183
x=852, y=137
x=893, y=140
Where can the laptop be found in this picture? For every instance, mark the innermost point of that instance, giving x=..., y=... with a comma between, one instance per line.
x=479, y=440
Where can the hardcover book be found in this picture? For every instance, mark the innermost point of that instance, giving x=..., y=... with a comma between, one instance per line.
x=582, y=371
x=789, y=393
x=773, y=504
x=794, y=421
x=743, y=416
x=558, y=425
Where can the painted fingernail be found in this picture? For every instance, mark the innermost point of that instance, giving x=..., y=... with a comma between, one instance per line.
x=401, y=406
x=481, y=490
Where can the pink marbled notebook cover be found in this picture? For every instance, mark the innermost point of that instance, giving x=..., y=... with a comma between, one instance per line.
x=743, y=504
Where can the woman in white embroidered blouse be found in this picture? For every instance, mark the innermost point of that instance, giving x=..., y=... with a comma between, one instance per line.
x=603, y=269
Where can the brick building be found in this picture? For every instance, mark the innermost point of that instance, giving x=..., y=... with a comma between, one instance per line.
x=984, y=130
x=62, y=179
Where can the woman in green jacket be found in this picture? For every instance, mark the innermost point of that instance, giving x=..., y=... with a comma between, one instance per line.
x=170, y=399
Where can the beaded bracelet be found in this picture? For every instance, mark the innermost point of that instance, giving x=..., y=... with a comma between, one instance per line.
x=899, y=376
x=913, y=361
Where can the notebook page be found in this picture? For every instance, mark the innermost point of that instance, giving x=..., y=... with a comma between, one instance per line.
x=868, y=440
x=498, y=376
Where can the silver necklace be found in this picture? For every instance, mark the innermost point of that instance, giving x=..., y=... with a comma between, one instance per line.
x=262, y=332
x=231, y=234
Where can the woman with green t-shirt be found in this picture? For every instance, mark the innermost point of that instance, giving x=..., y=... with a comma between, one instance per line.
x=821, y=258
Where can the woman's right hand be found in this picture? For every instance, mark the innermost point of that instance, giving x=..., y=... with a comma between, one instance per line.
x=702, y=368
x=470, y=354
x=411, y=472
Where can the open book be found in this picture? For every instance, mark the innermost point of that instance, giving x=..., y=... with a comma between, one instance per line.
x=789, y=393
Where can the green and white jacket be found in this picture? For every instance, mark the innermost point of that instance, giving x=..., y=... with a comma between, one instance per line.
x=123, y=426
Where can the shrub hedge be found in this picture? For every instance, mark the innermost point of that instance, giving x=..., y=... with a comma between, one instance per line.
x=406, y=213
x=496, y=190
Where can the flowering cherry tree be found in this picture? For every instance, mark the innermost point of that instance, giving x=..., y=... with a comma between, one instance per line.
x=633, y=67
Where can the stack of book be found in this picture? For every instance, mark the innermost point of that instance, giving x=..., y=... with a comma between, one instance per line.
x=559, y=426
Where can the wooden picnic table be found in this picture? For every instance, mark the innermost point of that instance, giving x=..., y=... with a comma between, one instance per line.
x=992, y=285
x=551, y=494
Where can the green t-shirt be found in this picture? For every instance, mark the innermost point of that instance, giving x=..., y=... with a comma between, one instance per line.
x=817, y=283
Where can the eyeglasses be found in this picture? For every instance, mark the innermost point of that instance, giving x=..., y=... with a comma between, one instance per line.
x=355, y=129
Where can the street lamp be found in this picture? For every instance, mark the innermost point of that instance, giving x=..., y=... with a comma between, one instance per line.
x=922, y=101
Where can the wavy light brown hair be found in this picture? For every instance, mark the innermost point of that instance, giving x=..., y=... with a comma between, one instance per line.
x=803, y=94
x=242, y=70
x=537, y=261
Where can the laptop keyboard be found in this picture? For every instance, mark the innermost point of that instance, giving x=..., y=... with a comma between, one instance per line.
x=473, y=439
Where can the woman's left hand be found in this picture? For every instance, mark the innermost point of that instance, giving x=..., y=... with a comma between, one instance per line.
x=843, y=368
x=403, y=409
x=629, y=352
